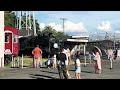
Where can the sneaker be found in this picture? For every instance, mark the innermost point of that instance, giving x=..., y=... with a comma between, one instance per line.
x=48, y=67
x=69, y=77
x=41, y=66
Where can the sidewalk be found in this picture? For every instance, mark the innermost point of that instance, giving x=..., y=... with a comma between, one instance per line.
x=45, y=73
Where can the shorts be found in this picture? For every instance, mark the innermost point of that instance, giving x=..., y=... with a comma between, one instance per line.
x=54, y=61
x=37, y=59
x=78, y=70
x=66, y=62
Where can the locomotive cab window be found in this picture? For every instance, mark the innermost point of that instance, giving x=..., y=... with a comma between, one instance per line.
x=15, y=38
x=6, y=39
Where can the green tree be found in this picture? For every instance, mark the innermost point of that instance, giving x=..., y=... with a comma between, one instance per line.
x=60, y=36
x=49, y=29
x=37, y=27
x=9, y=18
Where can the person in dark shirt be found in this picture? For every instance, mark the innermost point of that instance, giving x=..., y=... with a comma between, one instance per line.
x=61, y=64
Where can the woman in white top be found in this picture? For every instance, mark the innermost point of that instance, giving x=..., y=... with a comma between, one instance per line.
x=77, y=66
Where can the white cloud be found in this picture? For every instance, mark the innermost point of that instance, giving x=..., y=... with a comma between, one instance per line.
x=41, y=25
x=57, y=27
x=117, y=31
x=69, y=26
x=104, y=26
x=75, y=27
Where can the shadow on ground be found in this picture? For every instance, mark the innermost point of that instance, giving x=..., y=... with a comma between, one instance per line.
x=71, y=70
x=86, y=71
x=48, y=72
x=39, y=76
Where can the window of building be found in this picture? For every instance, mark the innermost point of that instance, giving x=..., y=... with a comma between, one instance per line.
x=15, y=38
x=6, y=39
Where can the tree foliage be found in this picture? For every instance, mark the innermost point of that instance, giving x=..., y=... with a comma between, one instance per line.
x=9, y=18
x=37, y=27
x=59, y=36
x=49, y=29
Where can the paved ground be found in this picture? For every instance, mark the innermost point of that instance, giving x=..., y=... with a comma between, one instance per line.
x=45, y=73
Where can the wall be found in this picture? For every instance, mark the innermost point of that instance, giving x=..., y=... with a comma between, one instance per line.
x=2, y=38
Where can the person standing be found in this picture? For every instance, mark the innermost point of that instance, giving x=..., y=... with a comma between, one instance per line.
x=69, y=56
x=36, y=52
x=77, y=66
x=97, y=60
x=110, y=54
x=54, y=61
x=61, y=64
x=67, y=61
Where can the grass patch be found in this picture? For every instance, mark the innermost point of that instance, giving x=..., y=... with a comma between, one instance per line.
x=26, y=62
x=29, y=62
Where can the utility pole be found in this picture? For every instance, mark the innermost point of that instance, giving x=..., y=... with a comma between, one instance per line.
x=63, y=23
x=114, y=41
x=106, y=37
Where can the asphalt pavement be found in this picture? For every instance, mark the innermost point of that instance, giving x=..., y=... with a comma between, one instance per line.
x=45, y=73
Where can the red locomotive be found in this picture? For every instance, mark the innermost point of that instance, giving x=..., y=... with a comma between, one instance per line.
x=11, y=41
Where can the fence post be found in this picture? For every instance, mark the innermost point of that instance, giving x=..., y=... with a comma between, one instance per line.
x=90, y=58
x=85, y=60
x=18, y=61
x=110, y=62
x=12, y=60
x=33, y=62
x=22, y=61
x=85, y=55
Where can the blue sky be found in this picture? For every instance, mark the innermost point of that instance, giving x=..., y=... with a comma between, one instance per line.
x=77, y=22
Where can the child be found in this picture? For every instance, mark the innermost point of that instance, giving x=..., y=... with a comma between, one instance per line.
x=77, y=66
x=49, y=62
x=54, y=61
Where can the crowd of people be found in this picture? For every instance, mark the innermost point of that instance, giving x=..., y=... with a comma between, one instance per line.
x=62, y=60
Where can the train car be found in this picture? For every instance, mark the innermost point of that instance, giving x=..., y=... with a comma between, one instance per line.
x=28, y=43
x=11, y=41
